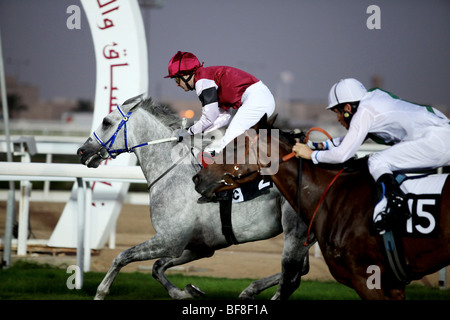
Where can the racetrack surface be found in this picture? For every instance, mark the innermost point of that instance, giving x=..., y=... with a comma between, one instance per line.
x=250, y=260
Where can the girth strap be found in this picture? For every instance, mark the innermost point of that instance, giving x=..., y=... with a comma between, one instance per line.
x=225, y=218
x=395, y=255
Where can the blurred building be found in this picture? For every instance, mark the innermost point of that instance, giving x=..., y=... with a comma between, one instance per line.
x=25, y=103
x=291, y=113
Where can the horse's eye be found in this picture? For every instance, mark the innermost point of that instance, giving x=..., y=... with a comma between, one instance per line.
x=106, y=123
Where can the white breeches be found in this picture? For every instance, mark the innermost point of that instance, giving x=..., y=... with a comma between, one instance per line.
x=257, y=100
x=432, y=150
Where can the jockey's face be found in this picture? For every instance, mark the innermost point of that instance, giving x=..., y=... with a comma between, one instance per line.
x=341, y=115
x=183, y=85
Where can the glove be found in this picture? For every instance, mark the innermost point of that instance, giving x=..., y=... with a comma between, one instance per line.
x=313, y=145
x=302, y=151
x=180, y=134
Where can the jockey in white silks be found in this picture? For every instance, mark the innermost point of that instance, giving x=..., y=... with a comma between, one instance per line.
x=419, y=137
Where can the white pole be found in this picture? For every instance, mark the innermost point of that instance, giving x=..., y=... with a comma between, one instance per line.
x=10, y=208
x=24, y=215
x=80, y=234
x=24, y=211
x=48, y=159
x=112, y=236
x=87, y=226
x=443, y=278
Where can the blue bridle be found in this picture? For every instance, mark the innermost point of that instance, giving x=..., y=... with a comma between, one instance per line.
x=108, y=144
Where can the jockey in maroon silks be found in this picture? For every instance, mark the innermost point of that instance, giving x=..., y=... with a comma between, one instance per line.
x=220, y=90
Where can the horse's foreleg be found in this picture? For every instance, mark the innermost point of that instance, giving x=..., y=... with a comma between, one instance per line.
x=160, y=266
x=292, y=271
x=260, y=285
x=150, y=249
x=390, y=289
x=295, y=259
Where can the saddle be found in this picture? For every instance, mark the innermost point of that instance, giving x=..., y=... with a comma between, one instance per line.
x=247, y=192
x=419, y=219
x=423, y=197
x=225, y=199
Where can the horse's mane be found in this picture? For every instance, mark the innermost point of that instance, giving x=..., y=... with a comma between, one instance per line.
x=352, y=165
x=161, y=112
x=290, y=136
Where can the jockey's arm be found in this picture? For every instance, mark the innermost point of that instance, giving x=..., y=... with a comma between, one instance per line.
x=325, y=145
x=210, y=112
x=206, y=90
x=357, y=133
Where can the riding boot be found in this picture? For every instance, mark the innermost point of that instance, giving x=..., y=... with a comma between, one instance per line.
x=206, y=158
x=392, y=207
x=204, y=199
x=219, y=196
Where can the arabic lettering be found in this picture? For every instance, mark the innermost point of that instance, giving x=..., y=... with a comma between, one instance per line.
x=112, y=99
x=107, y=23
x=111, y=54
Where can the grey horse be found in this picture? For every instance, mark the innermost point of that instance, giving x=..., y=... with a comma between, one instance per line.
x=185, y=229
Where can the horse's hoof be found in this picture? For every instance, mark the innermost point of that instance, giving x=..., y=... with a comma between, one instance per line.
x=99, y=297
x=194, y=291
x=246, y=296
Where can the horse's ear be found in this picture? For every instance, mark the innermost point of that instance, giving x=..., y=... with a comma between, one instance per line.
x=134, y=99
x=132, y=102
x=262, y=123
x=272, y=120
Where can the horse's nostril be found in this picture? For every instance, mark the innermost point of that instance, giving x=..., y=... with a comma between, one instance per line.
x=196, y=179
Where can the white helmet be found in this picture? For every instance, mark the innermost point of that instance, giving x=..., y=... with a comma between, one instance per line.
x=346, y=90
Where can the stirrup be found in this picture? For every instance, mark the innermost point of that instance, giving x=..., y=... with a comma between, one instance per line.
x=399, y=206
x=204, y=199
x=382, y=223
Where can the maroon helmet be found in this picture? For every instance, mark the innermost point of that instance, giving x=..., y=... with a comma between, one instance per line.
x=183, y=63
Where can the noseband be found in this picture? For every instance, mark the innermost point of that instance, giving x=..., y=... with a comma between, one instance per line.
x=108, y=144
x=113, y=153
x=237, y=167
x=239, y=176
x=281, y=160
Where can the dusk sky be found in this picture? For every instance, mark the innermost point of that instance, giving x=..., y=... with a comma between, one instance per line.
x=319, y=42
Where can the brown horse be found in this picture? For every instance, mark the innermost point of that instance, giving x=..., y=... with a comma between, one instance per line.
x=342, y=225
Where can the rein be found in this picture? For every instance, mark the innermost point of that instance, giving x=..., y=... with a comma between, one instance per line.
x=114, y=153
x=307, y=242
x=123, y=124
x=284, y=159
x=290, y=156
x=236, y=167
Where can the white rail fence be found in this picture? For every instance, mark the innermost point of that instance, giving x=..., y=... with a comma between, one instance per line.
x=83, y=176
x=17, y=171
